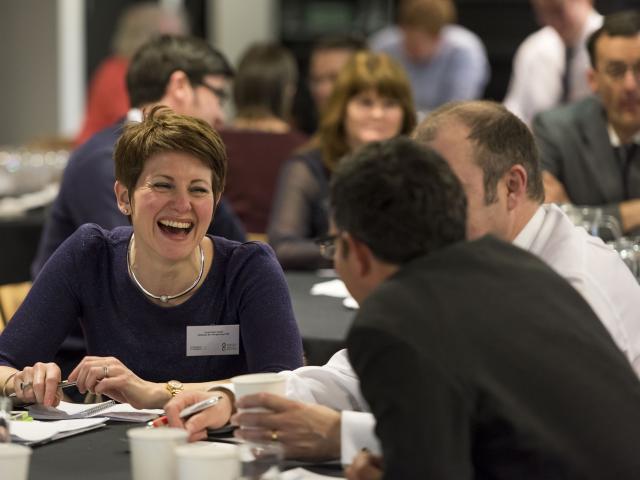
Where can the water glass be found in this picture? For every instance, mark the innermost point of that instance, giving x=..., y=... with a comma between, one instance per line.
x=261, y=461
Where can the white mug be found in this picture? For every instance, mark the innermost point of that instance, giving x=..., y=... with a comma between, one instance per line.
x=205, y=460
x=14, y=461
x=152, y=452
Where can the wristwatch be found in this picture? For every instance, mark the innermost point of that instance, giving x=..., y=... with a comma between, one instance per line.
x=174, y=387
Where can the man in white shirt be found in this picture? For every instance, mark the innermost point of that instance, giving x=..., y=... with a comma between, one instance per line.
x=550, y=66
x=494, y=155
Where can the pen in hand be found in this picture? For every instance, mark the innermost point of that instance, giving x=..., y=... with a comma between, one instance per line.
x=187, y=412
x=63, y=384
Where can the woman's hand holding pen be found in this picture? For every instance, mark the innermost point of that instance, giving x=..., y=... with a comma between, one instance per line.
x=213, y=417
x=109, y=376
x=38, y=384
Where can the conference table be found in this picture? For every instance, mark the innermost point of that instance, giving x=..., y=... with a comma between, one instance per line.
x=323, y=321
x=103, y=454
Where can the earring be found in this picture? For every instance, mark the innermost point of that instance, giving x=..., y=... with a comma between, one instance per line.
x=125, y=210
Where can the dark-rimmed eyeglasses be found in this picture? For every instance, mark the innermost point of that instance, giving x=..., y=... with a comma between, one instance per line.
x=617, y=71
x=327, y=244
x=221, y=93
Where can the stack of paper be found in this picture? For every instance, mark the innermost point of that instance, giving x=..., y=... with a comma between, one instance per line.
x=109, y=409
x=35, y=432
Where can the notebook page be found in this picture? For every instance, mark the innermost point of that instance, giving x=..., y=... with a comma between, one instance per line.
x=67, y=410
x=109, y=409
x=35, y=431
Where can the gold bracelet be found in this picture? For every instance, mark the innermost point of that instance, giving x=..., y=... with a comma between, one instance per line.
x=6, y=382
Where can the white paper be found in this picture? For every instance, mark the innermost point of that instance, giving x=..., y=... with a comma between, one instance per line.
x=67, y=410
x=332, y=288
x=302, y=474
x=35, y=431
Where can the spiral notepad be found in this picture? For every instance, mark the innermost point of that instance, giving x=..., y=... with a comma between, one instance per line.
x=109, y=409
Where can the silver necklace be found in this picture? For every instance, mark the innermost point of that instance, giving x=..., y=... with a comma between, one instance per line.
x=163, y=298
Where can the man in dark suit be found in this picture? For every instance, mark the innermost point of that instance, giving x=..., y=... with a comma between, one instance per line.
x=183, y=73
x=590, y=148
x=477, y=360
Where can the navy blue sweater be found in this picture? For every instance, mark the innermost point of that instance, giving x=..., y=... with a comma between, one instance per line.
x=87, y=278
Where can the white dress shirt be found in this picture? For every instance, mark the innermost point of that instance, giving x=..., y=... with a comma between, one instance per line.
x=538, y=67
x=336, y=385
x=592, y=268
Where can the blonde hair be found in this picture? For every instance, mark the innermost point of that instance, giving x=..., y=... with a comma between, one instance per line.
x=364, y=71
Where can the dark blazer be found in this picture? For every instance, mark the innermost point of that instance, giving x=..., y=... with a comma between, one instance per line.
x=575, y=147
x=480, y=362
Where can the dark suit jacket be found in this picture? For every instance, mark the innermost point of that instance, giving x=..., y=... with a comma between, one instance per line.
x=480, y=362
x=575, y=147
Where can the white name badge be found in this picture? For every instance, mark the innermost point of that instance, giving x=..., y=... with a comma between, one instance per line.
x=213, y=340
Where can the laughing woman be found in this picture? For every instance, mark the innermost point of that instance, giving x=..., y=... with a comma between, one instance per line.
x=164, y=307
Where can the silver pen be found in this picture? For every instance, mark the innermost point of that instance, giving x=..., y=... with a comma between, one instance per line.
x=63, y=384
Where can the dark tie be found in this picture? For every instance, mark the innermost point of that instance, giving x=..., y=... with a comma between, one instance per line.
x=626, y=154
x=566, y=75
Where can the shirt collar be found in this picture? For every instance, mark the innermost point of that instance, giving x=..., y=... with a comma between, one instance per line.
x=134, y=115
x=528, y=233
x=615, y=139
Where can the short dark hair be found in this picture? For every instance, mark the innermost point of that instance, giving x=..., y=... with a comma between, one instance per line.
x=351, y=42
x=501, y=139
x=620, y=24
x=400, y=198
x=152, y=66
x=165, y=131
x=265, y=73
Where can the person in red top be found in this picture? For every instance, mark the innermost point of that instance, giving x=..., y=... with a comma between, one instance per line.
x=107, y=100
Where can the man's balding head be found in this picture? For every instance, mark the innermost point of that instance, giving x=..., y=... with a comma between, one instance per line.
x=494, y=155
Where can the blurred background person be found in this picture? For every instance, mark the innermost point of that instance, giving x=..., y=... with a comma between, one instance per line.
x=371, y=101
x=108, y=99
x=328, y=56
x=550, y=67
x=589, y=149
x=444, y=61
x=260, y=138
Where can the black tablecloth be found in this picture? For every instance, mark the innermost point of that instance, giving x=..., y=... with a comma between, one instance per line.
x=101, y=454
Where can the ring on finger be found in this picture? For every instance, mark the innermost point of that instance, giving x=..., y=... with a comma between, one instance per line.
x=105, y=371
x=25, y=385
x=274, y=435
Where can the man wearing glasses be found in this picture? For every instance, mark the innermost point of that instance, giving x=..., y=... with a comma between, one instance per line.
x=589, y=149
x=183, y=73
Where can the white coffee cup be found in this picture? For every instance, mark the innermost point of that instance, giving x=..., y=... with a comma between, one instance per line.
x=14, y=461
x=205, y=460
x=152, y=452
x=258, y=383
